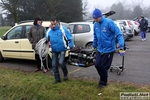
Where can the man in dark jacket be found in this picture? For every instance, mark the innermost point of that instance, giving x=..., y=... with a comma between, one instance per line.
x=36, y=33
x=143, y=27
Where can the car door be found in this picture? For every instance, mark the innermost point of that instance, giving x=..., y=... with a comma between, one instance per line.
x=82, y=34
x=10, y=46
x=71, y=28
x=26, y=48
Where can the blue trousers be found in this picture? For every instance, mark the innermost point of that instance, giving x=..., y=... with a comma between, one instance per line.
x=143, y=34
x=59, y=58
x=102, y=64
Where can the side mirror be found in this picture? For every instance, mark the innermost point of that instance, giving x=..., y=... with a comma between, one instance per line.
x=3, y=37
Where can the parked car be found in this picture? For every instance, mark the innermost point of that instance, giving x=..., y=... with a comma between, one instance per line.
x=127, y=32
x=128, y=28
x=82, y=33
x=15, y=44
x=122, y=28
x=128, y=24
x=148, y=29
x=136, y=29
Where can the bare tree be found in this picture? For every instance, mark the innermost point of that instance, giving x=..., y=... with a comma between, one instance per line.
x=12, y=7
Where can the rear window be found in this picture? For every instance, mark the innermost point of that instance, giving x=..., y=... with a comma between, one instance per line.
x=82, y=28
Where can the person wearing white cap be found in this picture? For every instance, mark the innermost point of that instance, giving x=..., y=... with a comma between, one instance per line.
x=105, y=34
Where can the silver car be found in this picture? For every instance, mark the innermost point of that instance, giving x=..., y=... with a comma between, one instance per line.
x=128, y=24
x=129, y=29
x=122, y=28
x=82, y=33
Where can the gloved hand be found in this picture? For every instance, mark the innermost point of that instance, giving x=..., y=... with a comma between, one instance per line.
x=94, y=49
x=122, y=52
x=71, y=47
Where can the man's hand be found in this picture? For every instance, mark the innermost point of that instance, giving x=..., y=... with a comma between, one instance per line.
x=94, y=49
x=122, y=52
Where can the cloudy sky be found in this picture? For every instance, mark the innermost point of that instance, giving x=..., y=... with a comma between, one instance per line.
x=108, y=3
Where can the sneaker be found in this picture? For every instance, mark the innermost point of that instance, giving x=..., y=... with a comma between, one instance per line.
x=65, y=78
x=55, y=82
x=45, y=70
x=142, y=39
x=37, y=69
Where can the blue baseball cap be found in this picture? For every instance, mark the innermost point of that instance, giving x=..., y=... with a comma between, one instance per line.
x=97, y=13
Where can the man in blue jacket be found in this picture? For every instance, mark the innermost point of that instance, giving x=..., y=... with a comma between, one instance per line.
x=60, y=39
x=105, y=34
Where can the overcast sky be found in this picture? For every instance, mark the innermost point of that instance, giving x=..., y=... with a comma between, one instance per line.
x=108, y=3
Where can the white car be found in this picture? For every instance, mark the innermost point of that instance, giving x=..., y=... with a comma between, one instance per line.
x=127, y=23
x=122, y=29
x=127, y=32
x=15, y=44
x=135, y=27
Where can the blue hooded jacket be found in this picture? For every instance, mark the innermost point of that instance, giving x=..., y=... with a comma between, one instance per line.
x=57, y=38
x=105, y=34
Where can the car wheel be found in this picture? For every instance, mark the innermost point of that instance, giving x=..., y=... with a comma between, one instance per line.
x=1, y=58
x=135, y=32
x=89, y=45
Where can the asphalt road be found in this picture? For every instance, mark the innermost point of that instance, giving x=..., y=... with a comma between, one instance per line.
x=137, y=64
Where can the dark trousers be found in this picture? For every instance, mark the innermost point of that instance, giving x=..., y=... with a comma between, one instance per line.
x=38, y=62
x=102, y=64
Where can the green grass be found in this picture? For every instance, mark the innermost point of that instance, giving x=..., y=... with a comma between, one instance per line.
x=21, y=85
x=3, y=29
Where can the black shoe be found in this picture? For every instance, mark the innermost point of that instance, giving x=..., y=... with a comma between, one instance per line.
x=101, y=86
x=55, y=82
x=65, y=78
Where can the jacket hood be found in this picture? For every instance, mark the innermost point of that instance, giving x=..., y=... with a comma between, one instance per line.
x=36, y=19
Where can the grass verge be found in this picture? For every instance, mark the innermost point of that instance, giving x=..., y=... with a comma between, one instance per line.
x=19, y=85
x=3, y=29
